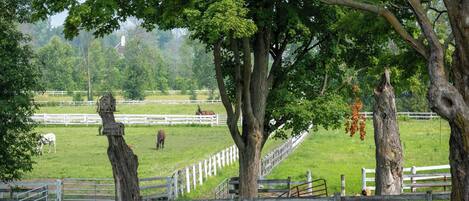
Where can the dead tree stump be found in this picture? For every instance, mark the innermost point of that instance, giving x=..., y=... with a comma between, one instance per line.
x=387, y=140
x=123, y=161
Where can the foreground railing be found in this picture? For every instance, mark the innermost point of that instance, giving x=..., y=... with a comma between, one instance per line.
x=416, y=177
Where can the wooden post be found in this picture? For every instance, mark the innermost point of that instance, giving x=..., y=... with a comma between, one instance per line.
x=205, y=169
x=222, y=158
x=188, y=180
x=168, y=188
x=219, y=160
x=215, y=165
x=363, y=179
x=412, y=181
x=123, y=161
x=309, y=179
x=231, y=155
x=200, y=173
x=342, y=185
x=210, y=166
x=194, y=176
x=176, y=184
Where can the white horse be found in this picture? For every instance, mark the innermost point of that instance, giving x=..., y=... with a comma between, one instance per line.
x=48, y=139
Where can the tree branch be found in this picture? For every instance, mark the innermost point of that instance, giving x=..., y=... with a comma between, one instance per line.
x=232, y=125
x=389, y=16
x=247, y=68
x=238, y=79
x=437, y=72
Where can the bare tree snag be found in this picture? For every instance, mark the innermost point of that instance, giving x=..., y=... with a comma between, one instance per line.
x=387, y=140
x=123, y=161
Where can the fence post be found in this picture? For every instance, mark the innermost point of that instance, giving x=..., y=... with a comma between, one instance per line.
x=168, y=188
x=205, y=169
x=210, y=166
x=214, y=165
x=222, y=158
x=414, y=171
x=428, y=196
x=176, y=184
x=200, y=173
x=342, y=185
x=194, y=176
x=363, y=179
x=231, y=155
x=309, y=179
x=188, y=181
x=58, y=190
x=219, y=160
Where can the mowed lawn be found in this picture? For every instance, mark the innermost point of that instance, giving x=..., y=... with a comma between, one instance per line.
x=150, y=108
x=328, y=154
x=82, y=154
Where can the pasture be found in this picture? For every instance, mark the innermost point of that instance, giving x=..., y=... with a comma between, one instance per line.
x=330, y=153
x=82, y=154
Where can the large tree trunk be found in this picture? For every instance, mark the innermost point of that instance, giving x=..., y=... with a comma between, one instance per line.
x=458, y=14
x=249, y=166
x=387, y=140
x=123, y=161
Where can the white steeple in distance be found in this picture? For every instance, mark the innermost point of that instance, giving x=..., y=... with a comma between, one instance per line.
x=123, y=41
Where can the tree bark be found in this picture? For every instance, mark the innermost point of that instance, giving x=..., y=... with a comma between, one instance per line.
x=387, y=140
x=123, y=161
x=252, y=88
x=249, y=166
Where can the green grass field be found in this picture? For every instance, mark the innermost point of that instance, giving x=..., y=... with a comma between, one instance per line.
x=137, y=109
x=82, y=154
x=328, y=154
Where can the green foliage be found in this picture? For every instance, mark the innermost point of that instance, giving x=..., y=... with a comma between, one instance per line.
x=193, y=93
x=57, y=61
x=19, y=76
x=77, y=97
x=134, y=71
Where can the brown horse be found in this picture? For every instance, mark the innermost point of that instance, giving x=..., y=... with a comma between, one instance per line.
x=160, y=137
x=202, y=112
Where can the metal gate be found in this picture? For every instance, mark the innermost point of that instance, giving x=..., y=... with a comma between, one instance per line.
x=88, y=189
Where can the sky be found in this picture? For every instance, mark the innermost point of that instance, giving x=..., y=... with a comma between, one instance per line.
x=57, y=20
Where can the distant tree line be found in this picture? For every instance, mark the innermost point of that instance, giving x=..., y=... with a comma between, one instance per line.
x=157, y=60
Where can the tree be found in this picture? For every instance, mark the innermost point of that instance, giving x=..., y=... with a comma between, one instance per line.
x=244, y=36
x=448, y=100
x=19, y=77
x=389, y=159
x=134, y=72
x=57, y=60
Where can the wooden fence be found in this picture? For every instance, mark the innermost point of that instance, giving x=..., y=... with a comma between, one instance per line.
x=416, y=177
x=147, y=92
x=428, y=196
x=88, y=189
x=410, y=115
x=126, y=102
x=189, y=178
x=129, y=119
x=268, y=162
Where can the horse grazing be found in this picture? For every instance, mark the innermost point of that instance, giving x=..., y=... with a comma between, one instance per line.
x=160, y=137
x=48, y=139
x=202, y=112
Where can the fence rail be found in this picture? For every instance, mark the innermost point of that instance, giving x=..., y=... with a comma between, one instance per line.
x=129, y=119
x=126, y=102
x=414, y=180
x=148, y=92
x=410, y=115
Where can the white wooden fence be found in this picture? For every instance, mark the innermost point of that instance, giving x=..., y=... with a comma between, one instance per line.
x=416, y=177
x=410, y=115
x=126, y=102
x=129, y=119
x=63, y=93
x=189, y=178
